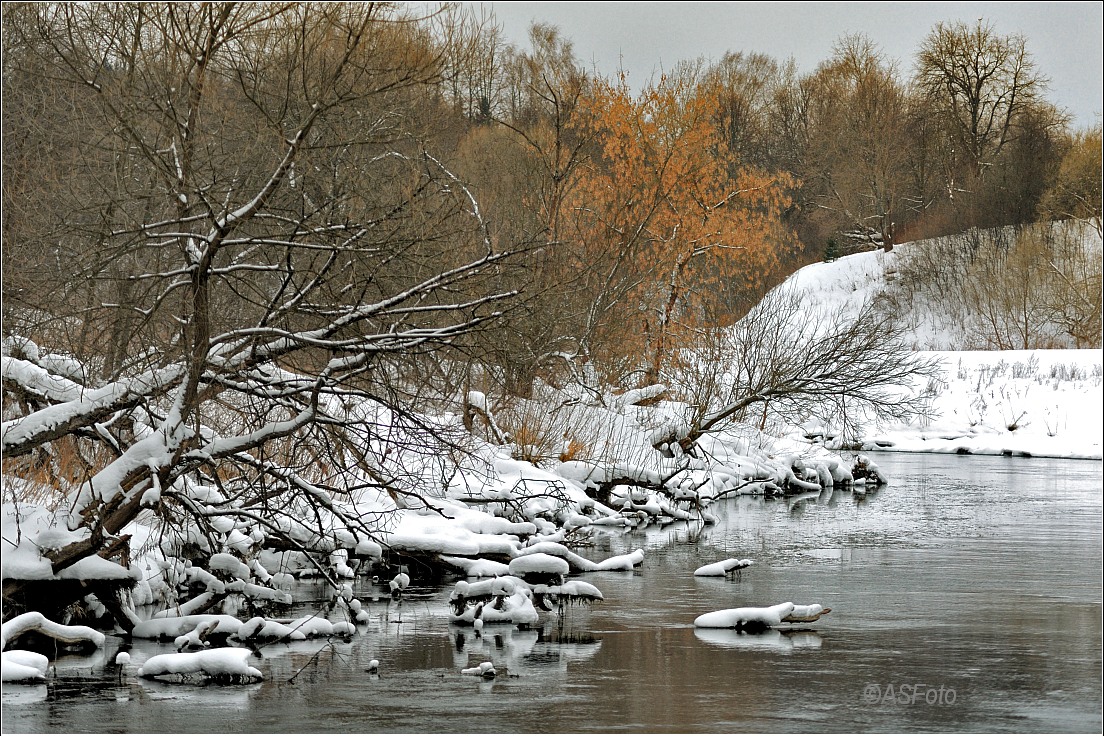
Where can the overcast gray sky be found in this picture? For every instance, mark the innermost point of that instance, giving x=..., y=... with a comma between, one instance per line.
x=646, y=37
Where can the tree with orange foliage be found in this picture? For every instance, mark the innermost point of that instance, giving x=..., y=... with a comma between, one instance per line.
x=665, y=219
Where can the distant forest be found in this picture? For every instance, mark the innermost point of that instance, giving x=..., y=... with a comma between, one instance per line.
x=257, y=164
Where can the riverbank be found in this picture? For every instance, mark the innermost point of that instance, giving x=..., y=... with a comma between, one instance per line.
x=1042, y=403
x=1038, y=403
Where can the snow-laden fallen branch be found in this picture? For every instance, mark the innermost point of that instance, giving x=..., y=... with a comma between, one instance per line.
x=485, y=669
x=35, y=621
x=478, y=568
x=78, y=406
x=193, y=630
x=538, y=564
x=510, y=599
x=578, y=563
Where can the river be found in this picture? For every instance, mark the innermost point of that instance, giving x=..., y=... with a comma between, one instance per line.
x=965, y=596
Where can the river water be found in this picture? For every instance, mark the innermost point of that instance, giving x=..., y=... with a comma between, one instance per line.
x=965, y=596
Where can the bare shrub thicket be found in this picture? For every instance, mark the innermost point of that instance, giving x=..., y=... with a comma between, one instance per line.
x=1036, y=286
x=786, y=362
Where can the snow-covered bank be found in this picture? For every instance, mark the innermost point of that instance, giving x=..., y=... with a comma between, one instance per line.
x=1043, y=403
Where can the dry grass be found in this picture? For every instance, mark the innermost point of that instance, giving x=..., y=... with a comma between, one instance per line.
x=52, y=470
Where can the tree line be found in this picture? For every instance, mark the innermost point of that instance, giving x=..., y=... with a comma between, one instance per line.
x=633, y=221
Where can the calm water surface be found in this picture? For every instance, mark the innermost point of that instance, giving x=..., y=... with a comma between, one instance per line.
x=965, y=596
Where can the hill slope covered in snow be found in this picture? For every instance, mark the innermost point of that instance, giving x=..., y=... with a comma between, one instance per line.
x=1019, y=402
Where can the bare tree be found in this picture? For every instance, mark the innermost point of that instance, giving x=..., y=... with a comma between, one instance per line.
x=780, y=358
x=1076, y=191
x=979, y=82
x=856, y=147
x=281, y=231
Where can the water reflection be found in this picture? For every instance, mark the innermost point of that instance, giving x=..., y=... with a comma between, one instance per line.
x=769, y=640
x=23, y=694
x=521, y=652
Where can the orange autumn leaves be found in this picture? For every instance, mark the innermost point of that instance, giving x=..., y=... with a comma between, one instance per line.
x=668, y=223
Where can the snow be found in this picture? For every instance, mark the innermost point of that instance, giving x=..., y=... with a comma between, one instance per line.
x=575, y=589
x=579, y=563
x=624, y=562
x=23, y=666
x=399, y=583
x=35, y=621
x=29, y=529
x=485, y=669
x=722, y=568
x=756, y=618
x=172, y=627
x=734, y=618
x=230, y=565
x=538, y=563
x=415, y=532
x=221, y=662
x=1042, y=403
x=809, y=611
x=477, y=568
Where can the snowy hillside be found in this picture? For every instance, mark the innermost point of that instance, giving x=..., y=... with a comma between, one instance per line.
x=1037, y=402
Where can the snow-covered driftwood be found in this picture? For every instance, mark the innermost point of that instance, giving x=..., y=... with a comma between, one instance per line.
x=763, y=617
x=485, y=669
x=510, y=599
x=229, y=663
x=722, y=568
x=539, y=564
x=578, y=563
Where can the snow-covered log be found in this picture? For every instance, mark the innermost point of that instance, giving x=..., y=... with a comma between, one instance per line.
x=79, y=406
x=514, y=608
x=805, y=614
x=765, y=617
x=174, y=626
x=485, y=669
x=228, y=663
x=35, y=621
x=19, y=665
x=478, y=568
x=572, y=590
x=538, y=564
x=510, y=599
x=624, y=562
x=579, y=563
x=722, y=568
x=197, y=638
